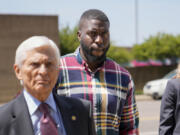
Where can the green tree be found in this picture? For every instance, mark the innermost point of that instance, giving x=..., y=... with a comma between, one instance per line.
x=68, y=40
x=119, y=54
x=160, y=46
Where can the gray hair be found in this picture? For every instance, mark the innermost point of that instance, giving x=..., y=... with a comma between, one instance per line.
x=32, y=43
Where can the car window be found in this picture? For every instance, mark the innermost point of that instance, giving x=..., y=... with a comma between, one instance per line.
x=170, y=74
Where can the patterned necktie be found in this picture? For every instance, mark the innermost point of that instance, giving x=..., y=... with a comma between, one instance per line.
x=47, y=124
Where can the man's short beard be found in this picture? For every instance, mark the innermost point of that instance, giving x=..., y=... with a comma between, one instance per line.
x=90, y=57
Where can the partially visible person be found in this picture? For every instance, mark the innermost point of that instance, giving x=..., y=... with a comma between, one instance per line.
x=89, y=74
x=36, y=111
x=170, y=109
x=178, y=71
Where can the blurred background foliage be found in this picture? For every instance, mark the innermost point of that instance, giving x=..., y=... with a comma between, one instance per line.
x=68, y=40
x=157, y=47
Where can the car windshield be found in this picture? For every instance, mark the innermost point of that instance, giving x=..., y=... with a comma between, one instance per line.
x=170, y=75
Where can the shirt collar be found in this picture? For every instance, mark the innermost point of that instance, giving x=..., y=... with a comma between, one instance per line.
x=78, y=56
x=34, y=103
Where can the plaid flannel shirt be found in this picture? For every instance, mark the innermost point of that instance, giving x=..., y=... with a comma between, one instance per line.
x=110, y=90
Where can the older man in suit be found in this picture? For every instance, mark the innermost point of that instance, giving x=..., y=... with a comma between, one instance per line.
x=36, y=111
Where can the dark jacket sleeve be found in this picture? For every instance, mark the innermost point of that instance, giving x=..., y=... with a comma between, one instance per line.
x=91, y=125
x=167, y=112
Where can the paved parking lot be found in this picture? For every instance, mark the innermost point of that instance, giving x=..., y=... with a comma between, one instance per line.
x=149, y=111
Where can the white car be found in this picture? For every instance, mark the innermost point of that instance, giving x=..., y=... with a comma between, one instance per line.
x=156, y=88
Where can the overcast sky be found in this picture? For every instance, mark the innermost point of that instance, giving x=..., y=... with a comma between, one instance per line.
x=153, y=15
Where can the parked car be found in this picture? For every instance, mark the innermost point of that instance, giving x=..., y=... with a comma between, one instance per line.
x=156, y=88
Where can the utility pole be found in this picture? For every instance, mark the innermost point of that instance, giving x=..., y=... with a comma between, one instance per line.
x=136, y=22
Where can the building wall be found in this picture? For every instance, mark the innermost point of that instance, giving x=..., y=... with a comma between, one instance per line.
x=141, y=75
x=13, y=30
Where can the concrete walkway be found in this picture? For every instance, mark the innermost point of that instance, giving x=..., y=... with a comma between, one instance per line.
x=143, y=97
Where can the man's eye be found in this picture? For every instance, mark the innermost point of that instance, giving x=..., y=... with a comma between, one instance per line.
x=104, y=33
x=34, y=64
x=48, y=64
x=93, y=34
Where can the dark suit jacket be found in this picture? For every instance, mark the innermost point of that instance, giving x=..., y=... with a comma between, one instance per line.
x=170, y=109
x=15, y=118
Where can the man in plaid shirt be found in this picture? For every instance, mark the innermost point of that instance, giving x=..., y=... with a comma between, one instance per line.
x=90, y=75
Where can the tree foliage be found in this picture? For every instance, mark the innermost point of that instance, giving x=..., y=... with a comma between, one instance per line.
x=68, y=40
x=120, y=55
x=160, y=46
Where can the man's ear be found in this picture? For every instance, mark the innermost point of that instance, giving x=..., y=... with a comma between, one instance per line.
x=17, y=71
x=79, y=35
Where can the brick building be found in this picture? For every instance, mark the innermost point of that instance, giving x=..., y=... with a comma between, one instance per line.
x=13, y=30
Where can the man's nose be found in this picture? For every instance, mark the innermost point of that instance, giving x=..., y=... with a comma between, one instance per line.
x=43, y=70
x=99, y=40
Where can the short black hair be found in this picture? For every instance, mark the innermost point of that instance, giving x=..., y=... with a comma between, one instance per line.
x=94, y=14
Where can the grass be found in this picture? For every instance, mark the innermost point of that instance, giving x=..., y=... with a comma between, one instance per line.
x=138, y=92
